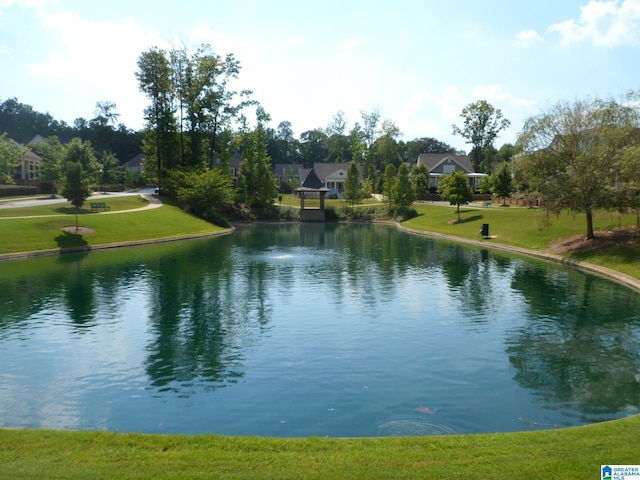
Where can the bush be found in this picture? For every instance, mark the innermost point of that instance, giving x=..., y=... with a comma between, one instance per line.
x=17, y=190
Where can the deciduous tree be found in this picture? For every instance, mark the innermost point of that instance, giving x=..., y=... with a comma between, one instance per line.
x=403, y=194
x=482, y=124
x=454, y=188
x=572, y=154
x=502, y=181
x=352, y=190
x=10, y=155
x=79, y=168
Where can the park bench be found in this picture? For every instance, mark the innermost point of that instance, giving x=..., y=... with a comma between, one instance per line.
x=487, y=203
x=97, y=206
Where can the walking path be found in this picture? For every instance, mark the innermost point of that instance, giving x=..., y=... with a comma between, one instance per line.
x=154, y=202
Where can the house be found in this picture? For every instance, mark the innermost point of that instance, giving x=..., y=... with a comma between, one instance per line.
x=136, y=164
x=332, y=176
x=27, y=172
x=287, y=171
x=441, y=164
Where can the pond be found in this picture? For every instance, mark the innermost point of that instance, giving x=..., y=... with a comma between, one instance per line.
x=313, y=330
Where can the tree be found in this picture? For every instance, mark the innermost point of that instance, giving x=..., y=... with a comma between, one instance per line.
x=403, y=194
x=482, y=123
x=352, y=190
x=454, y=188
x=108, y=169
x=155, y=80
x=629, y=187
x=10, y=155
x=572, y=154
x=385, y=150
x=502, y=182
x=389, y=180
x=420, y=180
x=260, y=183
x=51, y=153
x=203, y=190
x=79, y=168
x=411, y=149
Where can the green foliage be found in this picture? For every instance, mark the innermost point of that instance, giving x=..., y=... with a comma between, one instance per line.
x=402, y=193
x=482, y=123
x=203, y=191
x=52, y=153
x=389, y=181
x=10, y=155
x=454, y=188
x=420, y=180
x=17, y=190
x=352, y=190
x=573, y=154
x=108, y=169
x=79, y=169
x=502, y=181
x=486, y=184
x=261, y=183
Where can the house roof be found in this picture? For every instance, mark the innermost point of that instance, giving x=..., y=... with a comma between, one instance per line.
x=135, y=162
x=432, y=160
x=326, y=170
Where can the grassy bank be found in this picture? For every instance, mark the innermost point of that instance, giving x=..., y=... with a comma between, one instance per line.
x=531, y=229
x=570, y=453
x=43, y=229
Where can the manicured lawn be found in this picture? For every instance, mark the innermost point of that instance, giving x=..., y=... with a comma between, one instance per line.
x=45, y=233
x=116, y=204
x=574, y=453
x=527, y=228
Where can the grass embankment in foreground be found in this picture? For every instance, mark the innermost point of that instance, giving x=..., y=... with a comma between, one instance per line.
x=559, y=454
x=46, y=232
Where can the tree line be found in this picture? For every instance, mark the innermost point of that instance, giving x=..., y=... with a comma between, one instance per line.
x=580, y=155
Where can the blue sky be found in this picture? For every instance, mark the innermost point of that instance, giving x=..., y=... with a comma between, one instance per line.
x=417, y=62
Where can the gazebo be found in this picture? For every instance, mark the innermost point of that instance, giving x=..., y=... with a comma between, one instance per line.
x=312, y=186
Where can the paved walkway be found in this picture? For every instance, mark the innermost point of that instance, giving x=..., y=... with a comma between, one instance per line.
x=154, y=202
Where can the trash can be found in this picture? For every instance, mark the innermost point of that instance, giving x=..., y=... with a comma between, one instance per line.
x=485, y=230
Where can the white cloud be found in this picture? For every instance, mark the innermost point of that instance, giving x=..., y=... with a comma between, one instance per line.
x=527, y=38
x=350, y=44
x=499, y=98
x=606, y=23
x=95, y=61
x=38, y=4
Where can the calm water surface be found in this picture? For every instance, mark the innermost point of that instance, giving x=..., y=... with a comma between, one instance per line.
x=299, y=330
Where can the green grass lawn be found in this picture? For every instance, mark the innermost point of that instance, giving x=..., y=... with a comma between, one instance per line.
x=573, y=453
x=528, y=228
x=116, y=204
x=46, y=232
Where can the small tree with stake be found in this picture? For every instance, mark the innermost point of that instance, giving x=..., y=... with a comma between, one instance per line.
x=79, y=168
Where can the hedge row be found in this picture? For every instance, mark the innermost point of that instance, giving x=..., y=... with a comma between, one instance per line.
x=18, y=190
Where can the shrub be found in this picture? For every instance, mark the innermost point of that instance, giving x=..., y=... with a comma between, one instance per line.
x=17, y=190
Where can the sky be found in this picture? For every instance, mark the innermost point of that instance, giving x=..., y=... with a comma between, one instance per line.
x=417, y=62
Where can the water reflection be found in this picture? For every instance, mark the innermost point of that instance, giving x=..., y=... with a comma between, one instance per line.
x=363, y=316
x=574, y=352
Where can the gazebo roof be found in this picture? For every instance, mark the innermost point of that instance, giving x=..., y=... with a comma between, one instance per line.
x=312, y=180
